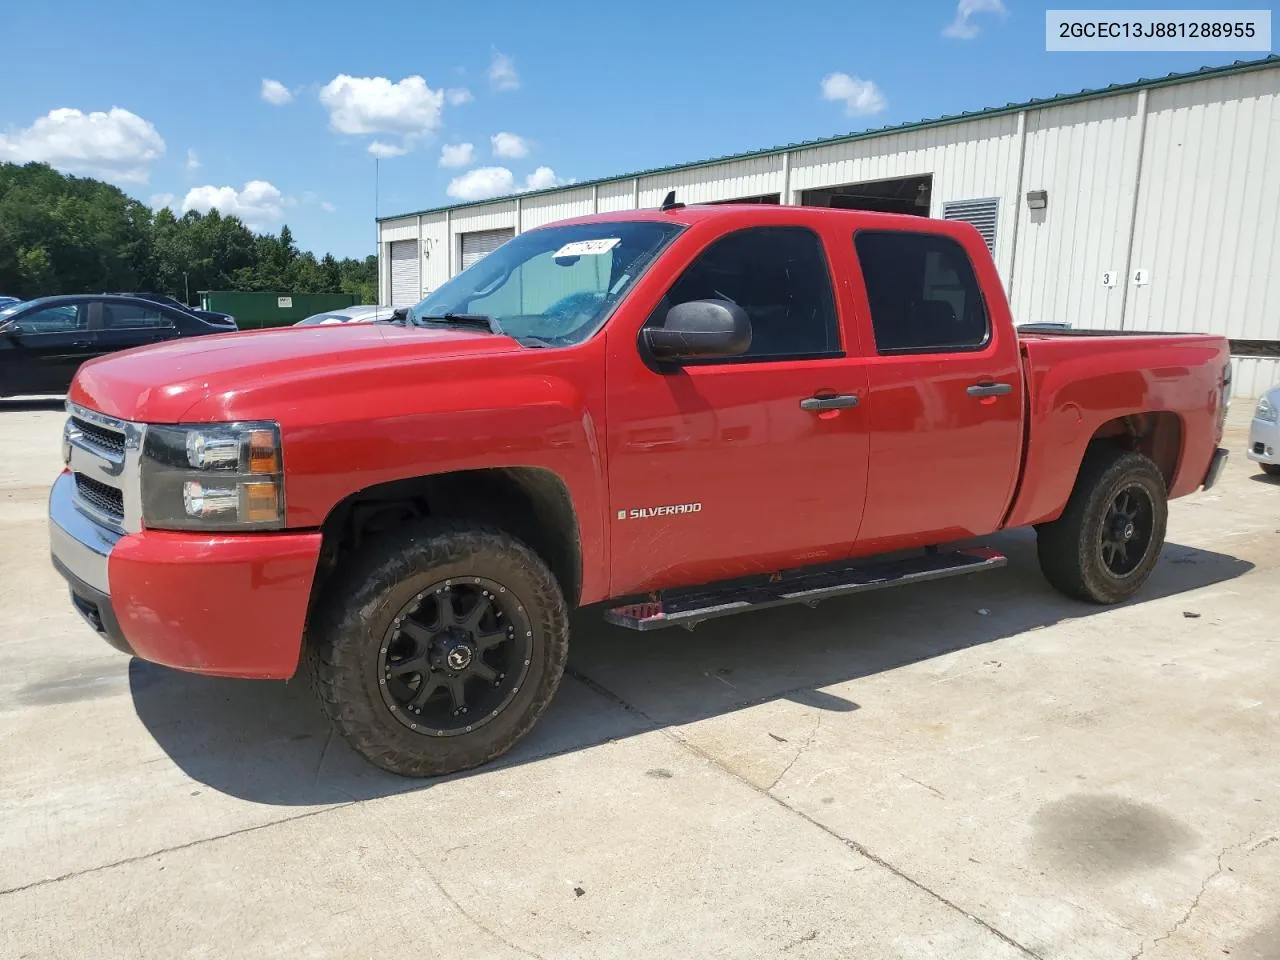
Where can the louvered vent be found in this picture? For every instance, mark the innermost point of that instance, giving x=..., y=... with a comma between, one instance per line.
x=981, y=213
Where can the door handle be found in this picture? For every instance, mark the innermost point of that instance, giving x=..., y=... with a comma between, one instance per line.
x=990, y=389
x=81, y=345
x=838, y=402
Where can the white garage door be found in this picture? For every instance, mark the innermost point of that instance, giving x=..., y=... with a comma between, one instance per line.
x=405, y=287
x=477, y=246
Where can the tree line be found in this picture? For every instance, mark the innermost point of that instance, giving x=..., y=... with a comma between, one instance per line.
x=64, y=234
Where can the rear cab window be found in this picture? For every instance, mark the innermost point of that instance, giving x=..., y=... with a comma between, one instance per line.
x=923, y=293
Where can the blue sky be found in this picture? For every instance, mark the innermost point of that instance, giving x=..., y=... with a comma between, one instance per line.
x=168, y=99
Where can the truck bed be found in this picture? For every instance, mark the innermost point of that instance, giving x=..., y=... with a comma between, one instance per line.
x=1082, y=383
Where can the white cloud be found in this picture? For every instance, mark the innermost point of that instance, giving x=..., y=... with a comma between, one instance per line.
x=963, y=27
x=327, y=207
x=860, y=97
x=509, y=146
x=457, y=96
x=258, y=204
x=481, y=183
x=275, y=92
x=116, y=145
x=457, y=154
x=193, y=160
x=542, y=178
x=502, y=73
x=376, y=105
x=161, y=200
x=385, y=151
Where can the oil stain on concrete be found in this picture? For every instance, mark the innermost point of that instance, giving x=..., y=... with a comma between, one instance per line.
x=1103, y=835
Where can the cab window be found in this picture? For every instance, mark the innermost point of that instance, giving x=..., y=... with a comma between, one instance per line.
x=779, y=276
x=923, y=293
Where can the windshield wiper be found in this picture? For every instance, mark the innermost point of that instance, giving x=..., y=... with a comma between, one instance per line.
x=478, y=321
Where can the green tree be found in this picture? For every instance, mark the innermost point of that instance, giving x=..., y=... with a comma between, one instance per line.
x=63, y=234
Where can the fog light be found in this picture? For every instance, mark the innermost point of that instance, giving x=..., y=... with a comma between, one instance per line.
x=203, y=500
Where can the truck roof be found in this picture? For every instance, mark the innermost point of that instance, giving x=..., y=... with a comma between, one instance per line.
x=753, y=213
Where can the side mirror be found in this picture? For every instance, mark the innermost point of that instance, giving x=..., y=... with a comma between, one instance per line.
x=399, y=314
x=700, y=329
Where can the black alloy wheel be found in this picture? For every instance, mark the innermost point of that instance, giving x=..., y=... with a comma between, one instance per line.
x=1125, y=534
x=455, y=656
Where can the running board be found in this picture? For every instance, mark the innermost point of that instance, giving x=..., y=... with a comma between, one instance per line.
x=689, y=606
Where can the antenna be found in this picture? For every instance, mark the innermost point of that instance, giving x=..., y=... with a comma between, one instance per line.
x=670, y=202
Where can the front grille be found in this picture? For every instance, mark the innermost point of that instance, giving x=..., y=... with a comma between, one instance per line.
x=104, y=438
x=1259, y=448
x=106, y=500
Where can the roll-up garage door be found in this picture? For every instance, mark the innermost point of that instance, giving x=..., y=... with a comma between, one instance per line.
x=405, y=287
x=477, y=246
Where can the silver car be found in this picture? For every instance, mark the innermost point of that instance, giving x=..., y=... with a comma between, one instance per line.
x=364, y=313
x=1264, y=432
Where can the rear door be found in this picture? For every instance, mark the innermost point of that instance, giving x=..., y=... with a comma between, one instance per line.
x=44, y=347
x=724, y=468
x=945, y=389
x=132, y=323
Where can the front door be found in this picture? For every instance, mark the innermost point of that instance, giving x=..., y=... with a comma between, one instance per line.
x=945, y=392
x=717, y=469
x=44, y=348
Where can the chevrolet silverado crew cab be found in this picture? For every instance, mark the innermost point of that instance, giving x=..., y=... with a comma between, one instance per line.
x=680, y=413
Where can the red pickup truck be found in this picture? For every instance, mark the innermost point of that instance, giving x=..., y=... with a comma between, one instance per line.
x=684, y=412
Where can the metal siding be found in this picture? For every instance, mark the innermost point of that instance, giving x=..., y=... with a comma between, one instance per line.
x=1085, y=155
x=1208, y=209
x=968, y=161
x=406, y=229
x=724, y=181
x=499, y=215
x=616, y=196
x=1251, y=377
x=435, y=252
x=536, y=211
x=406, y=284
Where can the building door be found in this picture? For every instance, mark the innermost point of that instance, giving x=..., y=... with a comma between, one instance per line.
x=406, y=289
x=477, y=246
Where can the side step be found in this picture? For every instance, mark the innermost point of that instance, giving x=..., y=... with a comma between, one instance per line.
x=689, y=606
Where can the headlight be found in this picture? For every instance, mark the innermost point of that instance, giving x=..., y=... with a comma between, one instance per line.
x=221, y=476
x=1267, y=410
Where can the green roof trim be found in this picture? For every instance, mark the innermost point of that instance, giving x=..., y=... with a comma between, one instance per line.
x=1145, y=83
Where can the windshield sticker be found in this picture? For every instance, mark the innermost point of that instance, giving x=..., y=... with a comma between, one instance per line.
x=587, y=248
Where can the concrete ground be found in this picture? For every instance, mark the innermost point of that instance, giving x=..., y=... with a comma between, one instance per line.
x=968, y=769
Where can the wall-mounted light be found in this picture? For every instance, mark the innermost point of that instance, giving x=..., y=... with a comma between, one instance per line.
x=1037, y=199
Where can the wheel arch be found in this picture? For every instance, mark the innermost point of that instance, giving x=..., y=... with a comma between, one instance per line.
x=533, y=504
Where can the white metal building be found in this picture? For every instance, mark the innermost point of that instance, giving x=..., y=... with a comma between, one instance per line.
x=1152, y=205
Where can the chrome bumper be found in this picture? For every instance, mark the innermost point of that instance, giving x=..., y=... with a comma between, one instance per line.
x=79, y=546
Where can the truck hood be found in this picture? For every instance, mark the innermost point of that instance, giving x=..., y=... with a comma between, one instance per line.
x=162, y=384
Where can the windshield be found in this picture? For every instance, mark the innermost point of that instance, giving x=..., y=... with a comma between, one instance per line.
x=557, y=285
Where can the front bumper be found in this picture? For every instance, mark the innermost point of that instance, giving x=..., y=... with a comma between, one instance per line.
x=223, y=604
x=1264, y=441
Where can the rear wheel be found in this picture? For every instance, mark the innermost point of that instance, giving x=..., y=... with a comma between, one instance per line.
x=438, y=649
x=1108, y=539
x=1271, y=469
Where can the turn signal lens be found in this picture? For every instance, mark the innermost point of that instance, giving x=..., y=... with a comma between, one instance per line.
x=264, y=456
x=261, y=501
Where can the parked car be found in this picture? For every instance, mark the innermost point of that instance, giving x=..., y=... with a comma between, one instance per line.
x=213, y=316
x=44, y=341
x=685, y=413
x=1264, y=432
x=365, y=313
